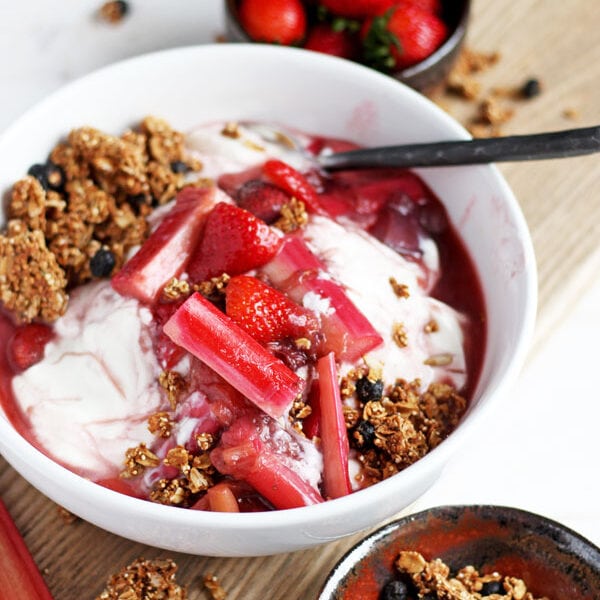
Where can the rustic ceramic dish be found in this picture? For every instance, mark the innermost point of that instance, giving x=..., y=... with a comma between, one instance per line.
x=552, y=560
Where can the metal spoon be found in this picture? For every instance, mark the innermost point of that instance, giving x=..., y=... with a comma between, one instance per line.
x=558, y=144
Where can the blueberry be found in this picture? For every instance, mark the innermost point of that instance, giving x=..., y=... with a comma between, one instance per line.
x=122, y=6
x=367, y=390
x=366, y=435
x=394, y=590
x=492, y=587
x=50, y=176
x=178, y=166
x=102, y=263
x=531, y=88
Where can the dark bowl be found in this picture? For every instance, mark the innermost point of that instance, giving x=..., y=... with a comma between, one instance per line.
x=424, y=76
x=552, y=560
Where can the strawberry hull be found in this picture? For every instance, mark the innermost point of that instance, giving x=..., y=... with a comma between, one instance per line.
x=212, y=337
x=166, y=252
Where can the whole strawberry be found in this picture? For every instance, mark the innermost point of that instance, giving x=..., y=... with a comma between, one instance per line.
x=324, y=38
x=357, y=9
x=273, y=21
x=401, y=37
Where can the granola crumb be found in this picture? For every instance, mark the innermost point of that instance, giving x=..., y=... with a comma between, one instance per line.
x=174, y=384
x=214, y=288
x=400, y=289
x=145, y=580
x=114, y=11
x=160, y=424
x=67, y=517
x=137, y=459
x=570, y=113
x=213, y=585
x=176, y=289
x=399, y=335
x=232, y=130
x=431, y=326
x=293, y=216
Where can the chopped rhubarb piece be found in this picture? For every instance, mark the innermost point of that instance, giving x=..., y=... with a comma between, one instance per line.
x=261, y=453
x=165, y=253
x=300, y=274
x=19, y=575
x=222, y=499
x=294, y=183
x=202, y=329
x=26, y=346
x=334, y=436
x=167, y=353
x=265, y=313
x=234, y=241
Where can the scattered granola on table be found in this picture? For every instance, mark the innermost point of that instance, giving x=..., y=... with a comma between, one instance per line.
x=145, y=580
x=434, y=580
x=214, y=587
x=114, y=11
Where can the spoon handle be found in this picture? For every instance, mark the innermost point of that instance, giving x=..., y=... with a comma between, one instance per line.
x=559, y=144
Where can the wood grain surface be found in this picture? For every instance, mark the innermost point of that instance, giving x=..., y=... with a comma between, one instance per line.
x=555, y=41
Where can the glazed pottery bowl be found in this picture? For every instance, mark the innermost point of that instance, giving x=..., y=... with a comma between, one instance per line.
x=195, y=85
x=552, y=560
x=424, y=76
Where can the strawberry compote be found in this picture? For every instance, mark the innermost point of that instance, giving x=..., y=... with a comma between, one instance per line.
x=281, y=338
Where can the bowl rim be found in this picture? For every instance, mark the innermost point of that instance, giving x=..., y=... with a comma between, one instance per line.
x=360, y=550
x=48, y=469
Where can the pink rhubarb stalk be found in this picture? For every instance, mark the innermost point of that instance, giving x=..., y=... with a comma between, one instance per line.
x=298, y=272
x=202, y=329
x=166, y=252
x=334, y=436
x=259, y=452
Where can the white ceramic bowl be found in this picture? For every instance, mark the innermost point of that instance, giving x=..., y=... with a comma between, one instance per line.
x=319, y=94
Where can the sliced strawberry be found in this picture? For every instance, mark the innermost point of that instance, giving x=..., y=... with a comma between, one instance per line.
x=302, y=276
x=262, y=453
x=165, y=253
x=265, y=313
x=293, y=182
x=26, y=346
x=334, y=436
x=215, y=339
x=234, y=241
x=262, y=199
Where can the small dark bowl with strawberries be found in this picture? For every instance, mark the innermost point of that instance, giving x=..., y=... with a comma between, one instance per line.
x=414, y=41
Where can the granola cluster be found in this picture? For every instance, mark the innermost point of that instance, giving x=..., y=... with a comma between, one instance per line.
x=494, y=107
x=393, y=430
x=433, y=579
x=92, y=196
x=145, y=580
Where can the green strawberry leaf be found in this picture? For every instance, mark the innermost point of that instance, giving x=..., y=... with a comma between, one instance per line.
x=378, y=44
